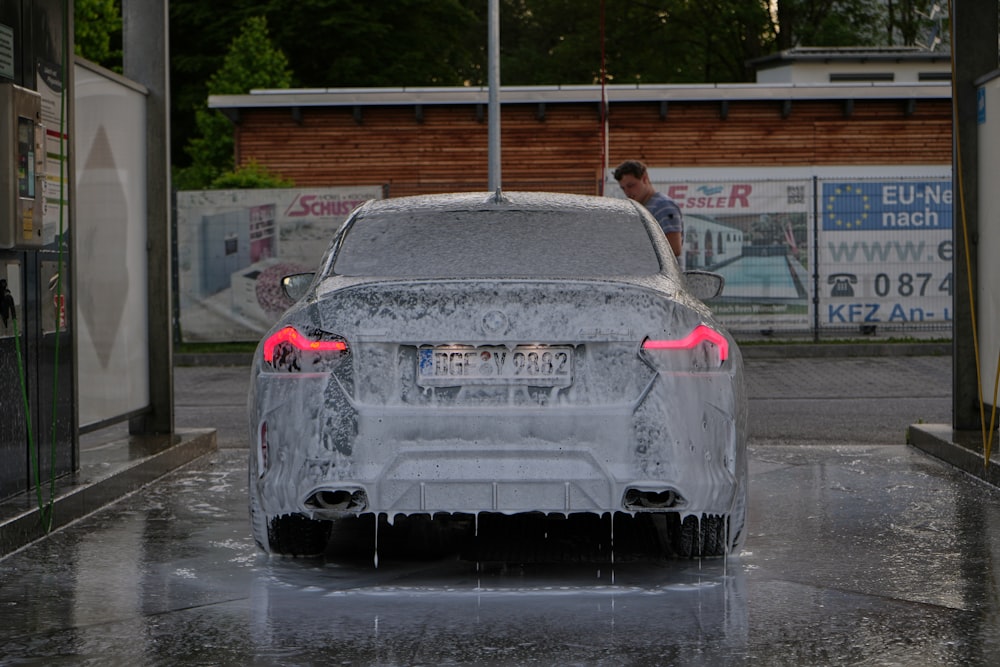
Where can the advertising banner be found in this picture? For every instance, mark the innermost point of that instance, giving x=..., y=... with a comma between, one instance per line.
x=885, y=252
x=55, y=216
x=235, y=246
x=757, y=234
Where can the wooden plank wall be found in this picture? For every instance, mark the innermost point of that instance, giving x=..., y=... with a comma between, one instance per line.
x=558, y=148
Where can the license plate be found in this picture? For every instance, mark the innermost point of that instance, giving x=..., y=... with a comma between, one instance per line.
x=536, y=365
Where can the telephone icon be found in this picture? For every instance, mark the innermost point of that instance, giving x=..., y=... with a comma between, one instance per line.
x=842, y=284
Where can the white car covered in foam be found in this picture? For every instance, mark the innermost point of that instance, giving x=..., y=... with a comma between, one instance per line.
x=509, y=353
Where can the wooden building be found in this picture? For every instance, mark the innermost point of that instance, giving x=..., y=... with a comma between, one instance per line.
x=428, y=140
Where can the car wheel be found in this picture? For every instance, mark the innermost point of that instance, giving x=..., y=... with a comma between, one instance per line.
x=696, y=537
x=296, y=535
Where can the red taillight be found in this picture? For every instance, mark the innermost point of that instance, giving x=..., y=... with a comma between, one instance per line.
x=700, y=334
x=291, y=336
x=262, y=459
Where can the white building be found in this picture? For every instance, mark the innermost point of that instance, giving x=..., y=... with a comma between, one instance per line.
x=708, y=243
x=901, y=64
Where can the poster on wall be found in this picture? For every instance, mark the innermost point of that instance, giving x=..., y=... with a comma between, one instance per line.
x=757, y=234
x=234, y=246
x=885, y=252
x=56, y=194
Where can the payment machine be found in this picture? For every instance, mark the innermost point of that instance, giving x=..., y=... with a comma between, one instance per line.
x=38, y=433
x=22, y=167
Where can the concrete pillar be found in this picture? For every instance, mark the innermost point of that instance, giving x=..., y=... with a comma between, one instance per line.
x=147, y=61
x=974, y=51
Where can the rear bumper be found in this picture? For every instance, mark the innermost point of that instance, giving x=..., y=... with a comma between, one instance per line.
x=554, y=459
x=430, y=481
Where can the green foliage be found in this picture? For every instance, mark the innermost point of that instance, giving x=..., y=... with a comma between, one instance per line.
x=829, y=23
x=342, y=43
x=251, y=62
x=854, y=23
x=98, y=32
x=196, y=176
x=693, y=42
x=250, y=176
x=915, y=22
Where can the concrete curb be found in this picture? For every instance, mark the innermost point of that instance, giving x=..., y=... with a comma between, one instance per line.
x=840, y=350
x=107, y=474
x=213, y=359
x=962, y=449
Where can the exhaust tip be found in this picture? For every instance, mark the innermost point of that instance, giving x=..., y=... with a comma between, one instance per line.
x=338, y=500
x=637, y=500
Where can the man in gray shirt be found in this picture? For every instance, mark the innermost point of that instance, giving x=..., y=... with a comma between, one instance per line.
x=633, y=178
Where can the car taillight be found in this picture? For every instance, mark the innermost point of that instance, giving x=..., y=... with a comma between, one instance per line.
x=289, y=349
x=262, y=454
x=702, y=347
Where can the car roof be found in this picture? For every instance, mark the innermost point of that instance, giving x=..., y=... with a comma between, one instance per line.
x=540, y=202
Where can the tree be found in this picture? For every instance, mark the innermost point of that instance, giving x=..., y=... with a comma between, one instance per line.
x=98, y=32
x=344, y=43
x=705, y=41
x=829, y=23
x=670, y=41
x=251, y=62
x=249, y=176
x=915, y=22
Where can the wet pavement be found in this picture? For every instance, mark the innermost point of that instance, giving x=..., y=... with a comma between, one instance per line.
x=861, y=551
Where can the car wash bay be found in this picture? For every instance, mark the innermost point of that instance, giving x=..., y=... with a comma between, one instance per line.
x=861, y=549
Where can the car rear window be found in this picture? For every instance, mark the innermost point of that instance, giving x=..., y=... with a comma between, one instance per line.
x=490, y=243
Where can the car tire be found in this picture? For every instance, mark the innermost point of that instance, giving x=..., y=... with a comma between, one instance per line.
x=296, y=535
x=258, y=522
x=694, y=536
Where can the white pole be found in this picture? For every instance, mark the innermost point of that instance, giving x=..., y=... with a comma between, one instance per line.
x=494, y=95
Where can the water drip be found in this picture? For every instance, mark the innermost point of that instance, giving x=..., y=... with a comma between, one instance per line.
x=727, y=547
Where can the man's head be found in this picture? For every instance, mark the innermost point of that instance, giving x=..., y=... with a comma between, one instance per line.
x=634, y=180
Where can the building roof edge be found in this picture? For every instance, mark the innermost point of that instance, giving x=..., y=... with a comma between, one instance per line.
x=337, y=97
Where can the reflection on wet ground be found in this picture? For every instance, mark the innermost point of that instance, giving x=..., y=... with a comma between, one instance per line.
x=856, y=555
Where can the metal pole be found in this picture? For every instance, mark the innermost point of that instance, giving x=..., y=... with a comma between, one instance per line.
x=494, y=95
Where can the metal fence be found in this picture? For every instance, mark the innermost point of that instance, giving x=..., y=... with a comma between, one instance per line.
x=818, y=254
x=824, y=254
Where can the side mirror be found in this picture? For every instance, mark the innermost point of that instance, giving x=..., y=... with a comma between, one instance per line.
x=704, y=285
x=295, y=285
